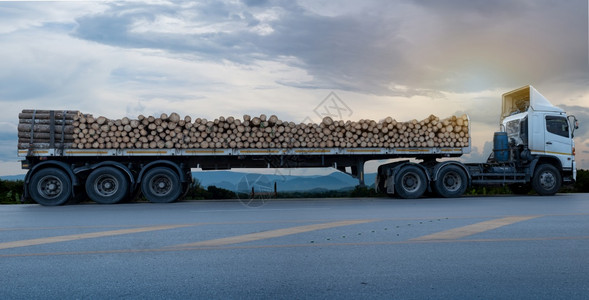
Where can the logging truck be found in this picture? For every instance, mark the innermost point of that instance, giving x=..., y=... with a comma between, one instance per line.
x=70, y=155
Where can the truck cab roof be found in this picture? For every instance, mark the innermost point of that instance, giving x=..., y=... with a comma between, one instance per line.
x=525, y=99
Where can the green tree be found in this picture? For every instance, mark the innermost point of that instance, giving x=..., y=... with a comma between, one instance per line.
x=582, y=183
x=10, y=191
x=219, y=193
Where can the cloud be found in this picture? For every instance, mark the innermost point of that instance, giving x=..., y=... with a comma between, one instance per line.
x=15, y=16
x=374, y=47
x=453, y=46
x=582, y=115
x=478, y=155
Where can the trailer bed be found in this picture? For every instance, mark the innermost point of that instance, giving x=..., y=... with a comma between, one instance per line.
x=388, y=152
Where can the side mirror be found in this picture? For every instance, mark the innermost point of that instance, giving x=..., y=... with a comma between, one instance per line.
x=574, y=123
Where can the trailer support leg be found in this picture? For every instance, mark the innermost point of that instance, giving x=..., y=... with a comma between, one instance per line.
x=361, y=173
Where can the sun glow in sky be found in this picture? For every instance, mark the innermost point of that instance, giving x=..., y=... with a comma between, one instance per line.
x=404, y=59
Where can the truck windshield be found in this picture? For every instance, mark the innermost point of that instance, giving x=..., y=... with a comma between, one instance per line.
x=523, y=131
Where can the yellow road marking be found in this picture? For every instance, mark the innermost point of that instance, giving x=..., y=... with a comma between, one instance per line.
x=309, y=245
x=461, y=232
x=73, y=237
x=271, y=234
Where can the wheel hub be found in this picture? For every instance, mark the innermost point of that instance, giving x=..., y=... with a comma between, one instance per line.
x=49, y=187
x=411, y=182
x=106, y=185
x=547, y=180
x=161, y=185
x=452, y=182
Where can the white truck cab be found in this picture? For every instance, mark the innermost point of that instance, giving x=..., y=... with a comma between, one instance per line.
x=538, y=127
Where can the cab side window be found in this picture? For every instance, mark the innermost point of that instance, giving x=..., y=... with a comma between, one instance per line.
x=557, y=125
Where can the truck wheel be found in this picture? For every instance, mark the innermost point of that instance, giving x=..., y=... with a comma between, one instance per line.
x=547, y=180
x=410, y=182
x=161, y=185
x=451, y=182
x=50, y=187
x=107, y=185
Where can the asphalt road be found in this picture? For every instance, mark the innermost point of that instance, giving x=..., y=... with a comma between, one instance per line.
x=483, y=247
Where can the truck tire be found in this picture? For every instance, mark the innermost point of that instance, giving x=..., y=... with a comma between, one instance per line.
x=410, y=182
x=547, y=180
x=451, y=182
x=161, y=185
x=50, y=187
x=107, y=185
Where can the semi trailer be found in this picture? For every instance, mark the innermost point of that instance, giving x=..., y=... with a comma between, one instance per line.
x=534, y=149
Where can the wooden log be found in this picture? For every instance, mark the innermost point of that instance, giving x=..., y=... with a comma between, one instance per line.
x=174, y=117
x=43, y=145
x=268, y=132
x=43, y=135
x=46, y=121
x=256, y=121
x=47, y=116
x=43, y=111
x=45, y=128
x=273, y=120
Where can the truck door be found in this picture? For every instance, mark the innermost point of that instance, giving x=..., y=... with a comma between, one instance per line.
x=558, y=140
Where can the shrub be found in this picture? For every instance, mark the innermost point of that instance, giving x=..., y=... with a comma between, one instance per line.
x=10, y=191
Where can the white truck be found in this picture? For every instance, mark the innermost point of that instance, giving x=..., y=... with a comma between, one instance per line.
x=533, y=149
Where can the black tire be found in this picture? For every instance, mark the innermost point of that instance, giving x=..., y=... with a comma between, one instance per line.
x=50, y=187
x=410, y=182
x=451, y=183
x=161, y=185
x=547, y=180
x=520, y=188
x=107, y=185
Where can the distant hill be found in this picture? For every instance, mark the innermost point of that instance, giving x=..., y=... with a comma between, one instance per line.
x=13, y=177
x=240, y=181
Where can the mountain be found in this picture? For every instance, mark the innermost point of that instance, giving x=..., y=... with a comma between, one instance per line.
x=240, y=181
x=13, y=177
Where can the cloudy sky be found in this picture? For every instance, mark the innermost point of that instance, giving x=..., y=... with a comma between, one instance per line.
x=404, y=59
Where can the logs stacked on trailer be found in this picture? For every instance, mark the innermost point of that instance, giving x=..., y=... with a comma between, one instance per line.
x=172, y=131
x=43, y=129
